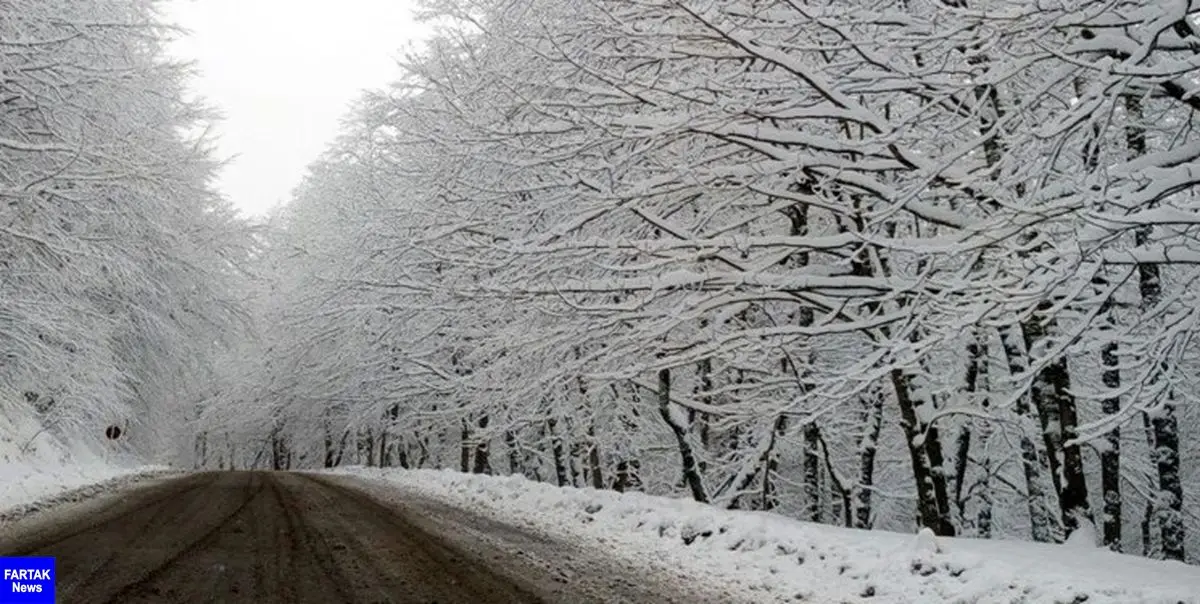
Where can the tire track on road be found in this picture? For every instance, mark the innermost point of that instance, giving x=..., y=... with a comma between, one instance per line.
x=190, y=545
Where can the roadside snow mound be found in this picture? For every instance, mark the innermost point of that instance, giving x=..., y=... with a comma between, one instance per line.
x=773, y=558
x=38, y=469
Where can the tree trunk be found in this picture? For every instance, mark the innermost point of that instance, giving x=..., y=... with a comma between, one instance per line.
x=1165, y=424
x=201, y=450
x=1056, y=408
x=514, y=453
x=1110, y=453
x=464, y=449
x=704, y=368
x=939, y=475
x=962, y=449
x=482, y=463
x=691, y=470
x=233, y=453
x=702, y=391
x=556, y=447
x=594, y=469
x=422, y=452
x=1041, y=522
x=1170, y=487
x=276, y=452
x=370, y=446
x=628, y=476
x=341, y=450
x=868, y=447
x=1149, y=511
x=386, y=446
x=383, y=447
x=983, y=516
x=978, y=392
x=574, y=461
x=812, y=473
x=770, y=500
x=402, y=454
x=927, y=508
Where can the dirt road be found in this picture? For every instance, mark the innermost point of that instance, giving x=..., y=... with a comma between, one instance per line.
x=283, y=537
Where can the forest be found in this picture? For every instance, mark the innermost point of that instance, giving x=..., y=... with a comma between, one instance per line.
x=885, y=265
x=122, y=268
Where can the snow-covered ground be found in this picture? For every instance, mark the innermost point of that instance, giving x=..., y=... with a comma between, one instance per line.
x=765, y=557
x=37, y=468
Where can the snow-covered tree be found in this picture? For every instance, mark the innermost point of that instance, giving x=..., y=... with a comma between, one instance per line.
x=879, y=264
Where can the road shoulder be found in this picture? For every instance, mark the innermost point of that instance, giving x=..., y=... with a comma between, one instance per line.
x=558, y=571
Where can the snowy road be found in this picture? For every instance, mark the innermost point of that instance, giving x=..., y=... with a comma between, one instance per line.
x=283, y=537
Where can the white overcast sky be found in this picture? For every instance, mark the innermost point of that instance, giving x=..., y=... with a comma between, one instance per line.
x=283, y=72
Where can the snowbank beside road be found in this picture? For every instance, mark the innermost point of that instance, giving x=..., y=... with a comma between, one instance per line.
x=26, y=488
x=37, y=469
x=768, y=557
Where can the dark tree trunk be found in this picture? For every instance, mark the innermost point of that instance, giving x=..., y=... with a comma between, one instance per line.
x=1148, y=530
x=233, y=453
x=561, y=472
x=386, y=444
x=704, y=373
x=201, y=450
x=1110, y=453
x=341, y=450
x=1055, y=405
x=868, y=448
x=1166, y=459
x=276, y=452
x=328, y=461
x=699, y=422
x=627, y=464
x=370, y=447
x=1149, y=512
x=422, y=453
x=977, y=389
x=1164, y=423
x=402, y=454
x=383, y=444
x=927, y=507
x=514, y=453
x=1040, y=520
x=628, y=476
x=464, y=449
x=812, y=473
x=482, y=463
x=962, y=449
x=574, y=461
x=594, y=470
x=581, y=467
x=770, y=500
x=691, y=470
x=938, y=473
